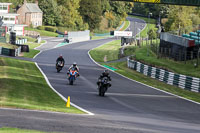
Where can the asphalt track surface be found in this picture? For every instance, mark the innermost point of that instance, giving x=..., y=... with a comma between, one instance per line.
x=128, y=107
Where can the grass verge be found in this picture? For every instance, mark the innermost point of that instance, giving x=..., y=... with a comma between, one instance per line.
x=124, y=70
x=7, y=45
x=106, y=52
x=42, y=32
x=32, y=52
x=151, y=23
x=174, y=66
x=126, y=24
x=23, y=86
x=16, y=130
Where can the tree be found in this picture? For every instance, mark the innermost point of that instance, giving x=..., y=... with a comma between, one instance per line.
x=51, y=14
x=70, y=14
x=91, y=12
x=178, y=18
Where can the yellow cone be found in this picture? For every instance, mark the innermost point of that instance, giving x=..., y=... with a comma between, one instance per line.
x=68, y=102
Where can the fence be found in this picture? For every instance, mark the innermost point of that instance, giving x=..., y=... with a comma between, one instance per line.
x=182, y=81
x=21, y=41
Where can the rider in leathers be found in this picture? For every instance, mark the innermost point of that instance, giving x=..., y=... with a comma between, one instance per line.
x=104, y=74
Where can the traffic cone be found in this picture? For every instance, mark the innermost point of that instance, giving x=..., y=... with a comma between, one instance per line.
x=68, y=102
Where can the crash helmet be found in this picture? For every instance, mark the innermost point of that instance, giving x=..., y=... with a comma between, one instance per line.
x=106, y=72
x=74, y=64
x=60, y=56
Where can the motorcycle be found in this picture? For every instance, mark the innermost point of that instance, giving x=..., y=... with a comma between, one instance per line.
x=59, y=66
x=103, y=85
x=72, y=76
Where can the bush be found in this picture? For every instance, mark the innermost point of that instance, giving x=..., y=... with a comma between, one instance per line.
x=41, y=28
x=50, y=28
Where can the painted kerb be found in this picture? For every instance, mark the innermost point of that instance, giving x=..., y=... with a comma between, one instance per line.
x=182, y=81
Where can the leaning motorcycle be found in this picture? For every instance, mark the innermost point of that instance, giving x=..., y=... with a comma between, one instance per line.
x=103, y=85
x=72, y=76
x=59, y=66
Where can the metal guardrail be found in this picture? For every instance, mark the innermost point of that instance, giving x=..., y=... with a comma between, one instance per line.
x=182, y=81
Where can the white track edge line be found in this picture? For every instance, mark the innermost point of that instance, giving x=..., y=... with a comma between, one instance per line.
x=141, y=82
x=40, y=50
x=37, y=54
x=89, y=113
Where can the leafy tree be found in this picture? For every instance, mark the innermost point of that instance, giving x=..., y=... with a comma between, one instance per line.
x=91, y=12
x=50, y=12
x=152, y=34
x=179, y=18
x=70, y=14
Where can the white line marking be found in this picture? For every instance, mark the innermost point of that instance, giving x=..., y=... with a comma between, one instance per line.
x=38, y=49
x=41, y=45
x=140, y=82
x=37, y=54
x=59, y=93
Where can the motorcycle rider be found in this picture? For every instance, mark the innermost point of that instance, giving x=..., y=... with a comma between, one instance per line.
x=74, y=67
x=104, y=74
x=61, y=59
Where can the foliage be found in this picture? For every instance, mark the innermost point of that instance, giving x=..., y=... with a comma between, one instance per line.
x=51, y=14
x=41, y=28
x=72, y=17
x=50, y=28
x=145, y=8
x=79, y=14
x=152, y=34
x=179, y=18
x=92, y=16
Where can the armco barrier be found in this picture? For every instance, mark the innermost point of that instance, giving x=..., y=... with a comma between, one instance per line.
x=182, y=81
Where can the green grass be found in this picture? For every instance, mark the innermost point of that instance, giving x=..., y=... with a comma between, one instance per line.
x=23, y=86
x=174, y=66
x=97, y=37
x=7, y=45
x=107, y=52
x=141, y=54
x=32, y=52
x=43, y=32
x=150, y=23
x=16, y=130
x=126, y=24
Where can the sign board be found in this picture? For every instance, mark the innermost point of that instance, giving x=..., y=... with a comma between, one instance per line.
x=123, y=33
